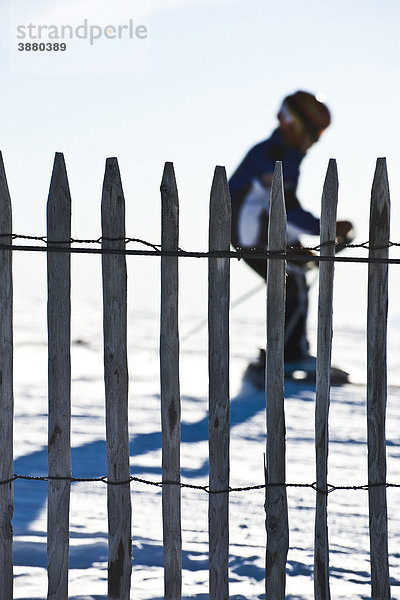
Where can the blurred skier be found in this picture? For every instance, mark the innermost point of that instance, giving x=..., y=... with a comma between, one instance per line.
x=302, y=119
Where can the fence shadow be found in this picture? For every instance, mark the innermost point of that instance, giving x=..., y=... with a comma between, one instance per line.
x=89, y=460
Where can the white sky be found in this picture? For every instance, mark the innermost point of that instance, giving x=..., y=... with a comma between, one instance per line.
x=217, y=74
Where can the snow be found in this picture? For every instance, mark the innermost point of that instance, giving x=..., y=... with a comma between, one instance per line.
x=348, y=510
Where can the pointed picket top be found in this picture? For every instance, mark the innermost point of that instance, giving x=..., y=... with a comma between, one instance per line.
x=59, y=203
x=329, y=206
x=168, y=182
x=380, y=206
x=5, y=202
x=220, y=211
x=113, y=205
x=277, y=216
x=170, y=208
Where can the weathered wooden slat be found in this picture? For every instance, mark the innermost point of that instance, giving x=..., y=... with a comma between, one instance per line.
x=59, y=380
x=116, y=384
x=6, y=392
x=170, y=388
x=377, y=381
x=218, y=366
x=324, y=352
x=276, y=497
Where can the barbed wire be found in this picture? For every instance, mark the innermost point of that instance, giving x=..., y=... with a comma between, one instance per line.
x=99, y=240
x=292, y=253
x=127, y=240
x=205, y=488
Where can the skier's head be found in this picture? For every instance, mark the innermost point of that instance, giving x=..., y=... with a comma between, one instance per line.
x=302, y=119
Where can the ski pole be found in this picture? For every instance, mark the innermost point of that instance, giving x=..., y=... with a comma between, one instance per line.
x=234, y=304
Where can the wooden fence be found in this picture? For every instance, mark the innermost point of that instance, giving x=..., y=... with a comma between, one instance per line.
x=116, y=386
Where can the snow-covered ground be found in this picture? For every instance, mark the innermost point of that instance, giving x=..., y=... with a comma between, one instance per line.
x=348, y=510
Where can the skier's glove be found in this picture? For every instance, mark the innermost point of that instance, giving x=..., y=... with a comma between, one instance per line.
x=345, y=234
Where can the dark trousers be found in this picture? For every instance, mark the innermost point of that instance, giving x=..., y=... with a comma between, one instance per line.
x=296, y=309
x=296, y=344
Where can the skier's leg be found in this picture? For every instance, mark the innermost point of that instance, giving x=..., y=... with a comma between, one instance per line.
x=296, y=343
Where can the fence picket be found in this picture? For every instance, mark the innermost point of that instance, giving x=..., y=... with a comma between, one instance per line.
x=170, y=388
x=59, y=380
x=377, y=381
x=322, y=401
x=218, y=366
x=6, y=392
x=116, y=384
x=276, y=497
